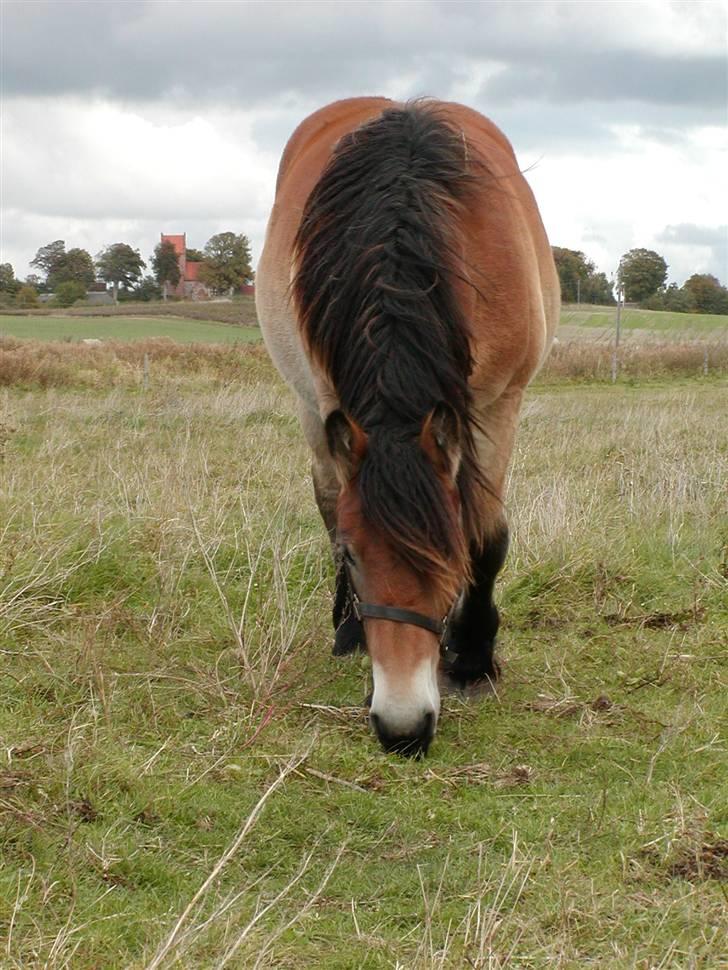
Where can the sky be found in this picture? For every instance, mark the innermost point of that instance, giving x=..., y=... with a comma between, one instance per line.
x=123, y=120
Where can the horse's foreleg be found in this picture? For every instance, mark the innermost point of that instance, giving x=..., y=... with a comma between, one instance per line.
x=470, y=643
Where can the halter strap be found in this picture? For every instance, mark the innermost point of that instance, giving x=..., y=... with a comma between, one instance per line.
x=376, y=612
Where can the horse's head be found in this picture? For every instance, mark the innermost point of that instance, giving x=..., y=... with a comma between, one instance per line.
x=401, y=539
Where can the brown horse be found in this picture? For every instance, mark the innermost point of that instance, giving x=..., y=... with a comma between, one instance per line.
x=407, y=293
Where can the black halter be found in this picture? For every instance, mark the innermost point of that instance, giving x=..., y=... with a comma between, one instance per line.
x=378, y=611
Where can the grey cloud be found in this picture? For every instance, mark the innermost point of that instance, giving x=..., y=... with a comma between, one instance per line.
x=688, y=234
x=257, y=53
x=577, y=76
x=713, y=240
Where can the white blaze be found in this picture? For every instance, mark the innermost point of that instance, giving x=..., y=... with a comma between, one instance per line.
x=402, y=703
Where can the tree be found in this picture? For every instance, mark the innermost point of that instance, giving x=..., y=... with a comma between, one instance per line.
x=60, y=266
x=48, y=258
x=120, y=265
x=75, y=266
x=597, y=289
x=227, y=262
x=8, y=283
x=194, y=255
x=32, y=279
x=579, y=279
x=674, y=298
x=705, y=294
x=641, y=272
x=68, y=292
x=147, y=290
x=573, y=269
x=165, y=266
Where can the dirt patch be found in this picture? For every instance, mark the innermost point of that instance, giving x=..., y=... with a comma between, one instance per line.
x=709, y=860
x=677, y=619
x=694, y=859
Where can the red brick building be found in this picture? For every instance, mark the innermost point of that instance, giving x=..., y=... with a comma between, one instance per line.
x=190, y=286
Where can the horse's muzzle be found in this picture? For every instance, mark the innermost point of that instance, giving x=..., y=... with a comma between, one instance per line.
x=411, y=745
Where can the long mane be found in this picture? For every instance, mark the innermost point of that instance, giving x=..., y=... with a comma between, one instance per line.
x=378, y=256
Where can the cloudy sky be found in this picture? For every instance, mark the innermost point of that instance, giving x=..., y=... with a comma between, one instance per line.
x=122, y=119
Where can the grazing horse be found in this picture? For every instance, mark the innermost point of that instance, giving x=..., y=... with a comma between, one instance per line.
x=407, y=293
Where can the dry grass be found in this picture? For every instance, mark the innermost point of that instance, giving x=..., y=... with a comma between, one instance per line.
x=164, y=656
x=116, y=363
x=581, y=359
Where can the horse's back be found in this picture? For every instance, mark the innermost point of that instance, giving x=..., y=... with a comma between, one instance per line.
x=511, y=289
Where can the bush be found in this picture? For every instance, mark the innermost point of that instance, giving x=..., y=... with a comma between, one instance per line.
x=147, y=290
x=67, y=293
x=26, y=297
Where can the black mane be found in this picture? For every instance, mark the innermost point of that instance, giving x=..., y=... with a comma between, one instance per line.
x=377, y=257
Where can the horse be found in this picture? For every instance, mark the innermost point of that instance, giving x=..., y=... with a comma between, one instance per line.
x=407, y=293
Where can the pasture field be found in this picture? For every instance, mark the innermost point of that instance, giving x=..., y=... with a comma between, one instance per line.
x=661, y=322
x=124, y=328
x=225, y=322
x=186, y=775
x=240, y=311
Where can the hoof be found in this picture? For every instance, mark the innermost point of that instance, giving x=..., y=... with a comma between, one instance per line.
x=470, y=679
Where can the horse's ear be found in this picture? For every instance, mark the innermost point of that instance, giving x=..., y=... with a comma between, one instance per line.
x=347, y=443
x=440, y=439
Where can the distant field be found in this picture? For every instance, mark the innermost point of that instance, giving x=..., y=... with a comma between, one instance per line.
x=125, y=328
x=226, y=322
x=632, y=319
x=240, y=311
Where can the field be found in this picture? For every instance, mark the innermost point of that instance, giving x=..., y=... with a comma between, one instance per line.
x=186, y=775
x=657, y=322
x=240, y=311
x=120, y=327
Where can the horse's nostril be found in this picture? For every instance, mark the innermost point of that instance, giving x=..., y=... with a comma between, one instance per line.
x=413, y=744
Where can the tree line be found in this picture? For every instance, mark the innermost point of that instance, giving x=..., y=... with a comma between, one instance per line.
x=226, y=264
x=642, y=278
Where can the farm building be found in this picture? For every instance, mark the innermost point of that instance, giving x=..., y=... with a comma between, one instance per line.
x=190, y=285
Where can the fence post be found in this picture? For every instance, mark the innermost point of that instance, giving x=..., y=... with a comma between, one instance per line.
x=705, y=360
x=145, y=383
x=620, y=297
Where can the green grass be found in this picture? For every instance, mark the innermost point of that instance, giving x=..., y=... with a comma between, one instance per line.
x=226, y=322
x=165, y=656
x=125, y=328
x=660, y=321
x=240, y=311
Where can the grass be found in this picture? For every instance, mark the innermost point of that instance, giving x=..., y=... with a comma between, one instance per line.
x=186, y=775
x=124, y=328
x=211, y=322
x=649, y=320
x=240, y=311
